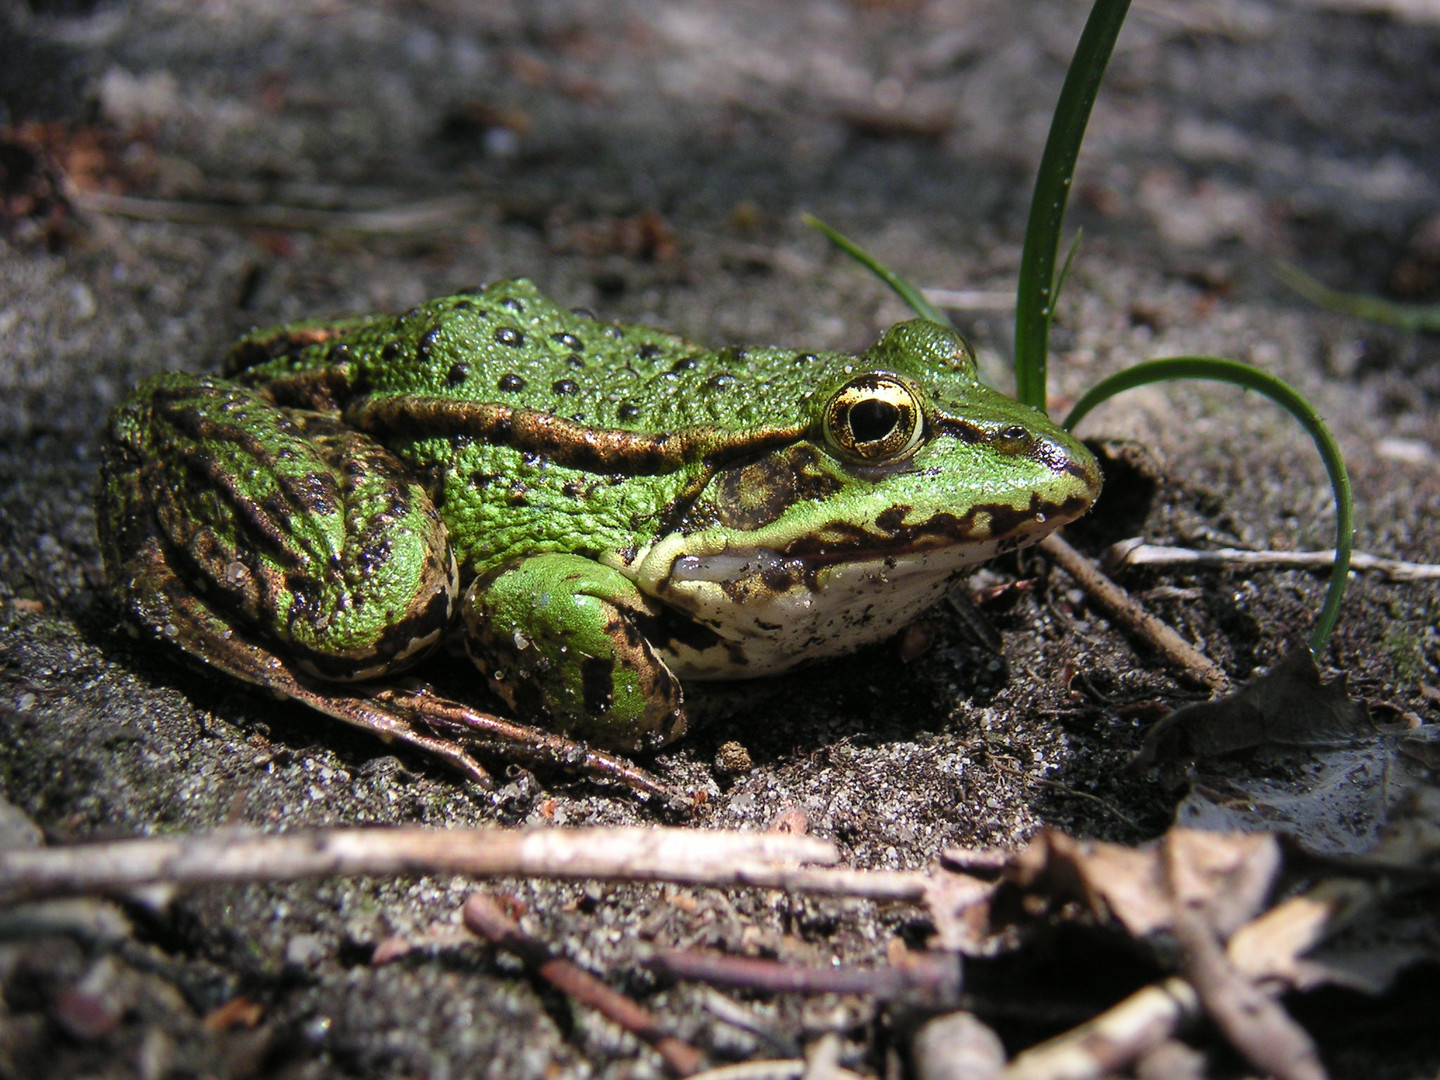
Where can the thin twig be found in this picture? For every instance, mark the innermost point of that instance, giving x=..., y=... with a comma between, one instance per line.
x=972, y=299
x=444, y=213
x=1138, y=553
x=933, y=975
x=680, y=856
x=484, y=917
x=1118, y=603
x=778, y=1069
x=1253, y=1021
x=1111, y=1041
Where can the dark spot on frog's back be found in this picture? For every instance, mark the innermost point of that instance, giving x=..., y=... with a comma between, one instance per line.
x=457, y=374
x=510, y=383
x=508, y=335
x=427, y=344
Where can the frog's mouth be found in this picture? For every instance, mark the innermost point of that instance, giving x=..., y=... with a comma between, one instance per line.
x=955, y=541
x=760, y=611
x=781, y=570
x=761, y=608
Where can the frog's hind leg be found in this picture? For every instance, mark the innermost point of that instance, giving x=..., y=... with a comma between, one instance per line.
x=309, y=534
x=285, y=550
x=408, y=713
x=160, y=602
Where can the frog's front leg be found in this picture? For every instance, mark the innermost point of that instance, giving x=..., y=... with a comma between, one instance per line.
x=562, y=636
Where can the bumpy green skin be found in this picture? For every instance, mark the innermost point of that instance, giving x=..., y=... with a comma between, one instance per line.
x=605, y=505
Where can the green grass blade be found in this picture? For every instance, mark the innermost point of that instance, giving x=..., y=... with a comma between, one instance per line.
x=907, y=292
x=1216, y=369
x=1034, y=302
x=1411, y=318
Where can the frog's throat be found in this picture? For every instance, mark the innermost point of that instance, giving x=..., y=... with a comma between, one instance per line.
x=764, y=603
x=757, y=613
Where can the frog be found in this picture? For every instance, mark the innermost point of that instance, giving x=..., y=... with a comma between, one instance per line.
x=597, y=520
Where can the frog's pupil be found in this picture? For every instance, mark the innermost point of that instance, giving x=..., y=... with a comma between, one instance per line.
x=872, y=420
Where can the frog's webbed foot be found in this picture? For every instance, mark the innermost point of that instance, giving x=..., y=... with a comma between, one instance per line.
x=423, y=708
x=408, y=714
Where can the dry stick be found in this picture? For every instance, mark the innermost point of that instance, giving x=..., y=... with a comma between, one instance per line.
x=1111, y=1041
x=1138, y=553
x=1254, y=1022
x=935, y=975
x=1118, y=603
x=404, y=219
x=484, y=917
x=680, y=856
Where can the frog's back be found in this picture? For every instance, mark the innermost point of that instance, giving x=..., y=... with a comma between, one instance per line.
x=509, y=344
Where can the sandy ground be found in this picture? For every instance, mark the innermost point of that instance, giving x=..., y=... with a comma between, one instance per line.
x=651, y=161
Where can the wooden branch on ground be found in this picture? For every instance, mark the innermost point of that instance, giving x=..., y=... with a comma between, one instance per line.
x=483, y=916
x=1138, y=553
x=1118, y=603
x=675, y=855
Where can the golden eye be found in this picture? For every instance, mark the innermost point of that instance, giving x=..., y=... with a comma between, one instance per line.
x=874, y=419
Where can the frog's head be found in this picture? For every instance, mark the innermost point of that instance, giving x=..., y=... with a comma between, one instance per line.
x=909, y=470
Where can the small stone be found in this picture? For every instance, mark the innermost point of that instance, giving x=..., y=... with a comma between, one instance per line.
x=732, y=759
x=956, y=1046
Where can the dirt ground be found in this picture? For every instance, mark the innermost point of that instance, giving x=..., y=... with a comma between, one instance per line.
x=255, y=162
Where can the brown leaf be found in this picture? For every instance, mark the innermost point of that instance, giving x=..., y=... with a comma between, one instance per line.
x=1288, y=706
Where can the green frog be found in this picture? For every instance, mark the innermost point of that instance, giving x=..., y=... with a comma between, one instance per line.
x=602, y=516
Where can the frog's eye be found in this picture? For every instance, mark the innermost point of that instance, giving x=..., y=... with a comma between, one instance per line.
x=874, y=419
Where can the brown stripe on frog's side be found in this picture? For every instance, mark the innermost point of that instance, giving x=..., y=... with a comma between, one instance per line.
x=321, y=390
x=563, y=441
